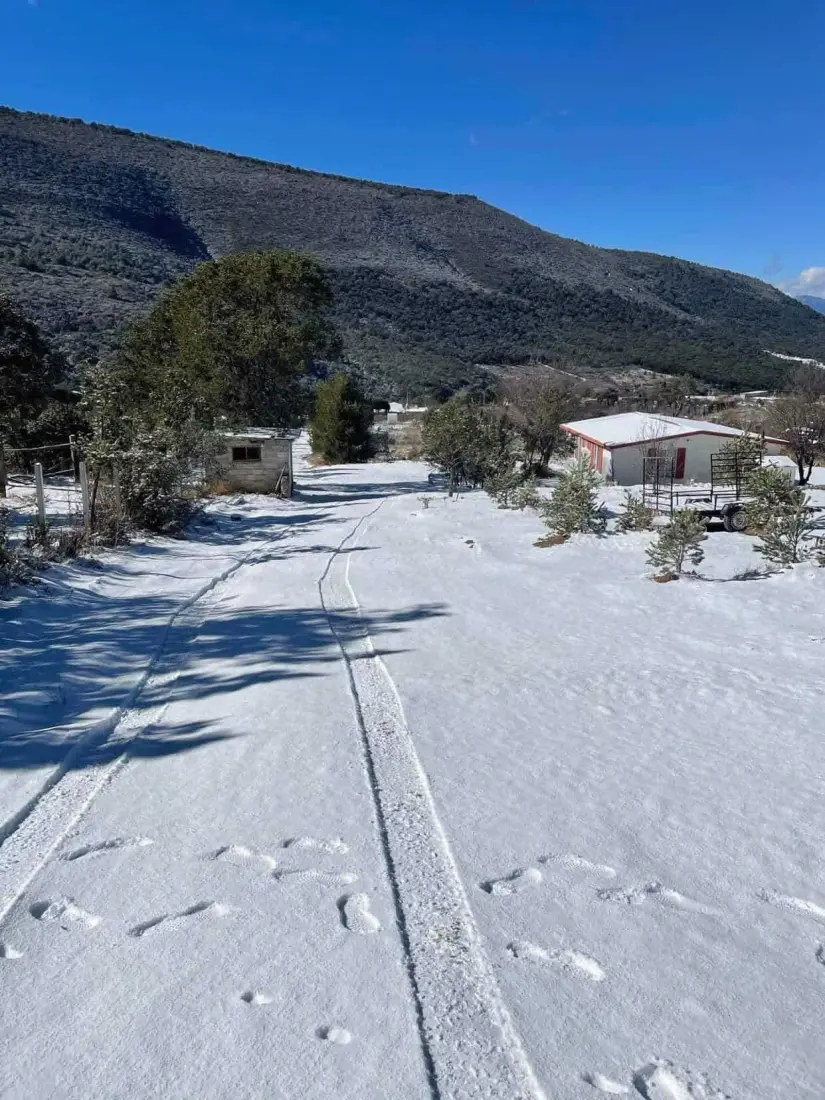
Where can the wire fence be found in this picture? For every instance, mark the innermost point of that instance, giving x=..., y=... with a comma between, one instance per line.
x=42, y=487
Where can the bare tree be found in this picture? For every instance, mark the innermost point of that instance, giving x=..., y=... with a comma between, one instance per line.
x=799, y=419
x=537, y=407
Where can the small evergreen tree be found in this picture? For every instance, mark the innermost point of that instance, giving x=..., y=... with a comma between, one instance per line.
x=785, y=535
x=341, y=427
x=769, y=491
x=574, y=506
x=636, y=515
x=680, y=541
x=527, y=495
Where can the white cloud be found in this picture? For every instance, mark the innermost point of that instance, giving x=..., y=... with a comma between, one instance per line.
x=810, y=281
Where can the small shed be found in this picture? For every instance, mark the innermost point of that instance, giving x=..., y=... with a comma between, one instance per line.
x=258, y=460
x=618, y=445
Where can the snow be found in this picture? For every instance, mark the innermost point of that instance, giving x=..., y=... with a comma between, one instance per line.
x=351, y=798
x=796, y=359
x=638, y=427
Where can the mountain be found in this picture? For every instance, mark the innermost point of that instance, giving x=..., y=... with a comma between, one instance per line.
x=810, y=300
x=95, y=221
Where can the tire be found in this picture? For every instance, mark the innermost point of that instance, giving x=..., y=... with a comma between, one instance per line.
x=736, y=520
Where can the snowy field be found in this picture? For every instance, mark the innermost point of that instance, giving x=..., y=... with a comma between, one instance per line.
x=346, y=798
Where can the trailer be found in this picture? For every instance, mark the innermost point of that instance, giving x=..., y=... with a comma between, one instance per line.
x=724, y=500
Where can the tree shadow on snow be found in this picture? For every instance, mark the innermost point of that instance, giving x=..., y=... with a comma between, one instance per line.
x=52, y=687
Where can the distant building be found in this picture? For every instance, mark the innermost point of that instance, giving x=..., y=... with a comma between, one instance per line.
x=618, y=445
x=258, y=460
x=398, y=413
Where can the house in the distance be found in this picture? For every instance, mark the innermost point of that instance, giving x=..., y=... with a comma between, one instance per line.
x=258, y=460
x=618, y=445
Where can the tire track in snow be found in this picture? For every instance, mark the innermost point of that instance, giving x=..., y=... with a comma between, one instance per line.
x=30, y=836
x=470, y=1046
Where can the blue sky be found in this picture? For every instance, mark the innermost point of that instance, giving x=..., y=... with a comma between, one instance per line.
x=688, y=127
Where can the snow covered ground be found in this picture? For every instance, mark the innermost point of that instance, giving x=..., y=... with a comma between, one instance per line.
x=348, y=797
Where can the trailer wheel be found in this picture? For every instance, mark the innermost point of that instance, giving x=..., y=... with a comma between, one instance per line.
x=735, y=519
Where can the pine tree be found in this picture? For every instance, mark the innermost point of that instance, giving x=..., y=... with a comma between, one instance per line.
x=340, y=429
x=678, y=542
x=574, y=506
x=785, y=535
x=636, y=515
x=769, y=491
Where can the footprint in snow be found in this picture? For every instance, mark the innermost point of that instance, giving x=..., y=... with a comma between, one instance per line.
x=523, y=878
x=578, y=863
x=661, y=1080
x=204, y=910
x=333, y=846
x=89, y=851
x=255, y=998
x=240, y=856
x=565, y=959
x=312, y=874
x=604, y=1084
x=356, y=915
x=65, y=913
x=338, y=1035
x=795, y=905
x=9, y=952
x=636, y=895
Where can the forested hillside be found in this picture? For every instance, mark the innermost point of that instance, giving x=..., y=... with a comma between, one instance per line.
x=94, y=221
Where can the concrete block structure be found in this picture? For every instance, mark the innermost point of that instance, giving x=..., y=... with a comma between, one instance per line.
x=258, y=460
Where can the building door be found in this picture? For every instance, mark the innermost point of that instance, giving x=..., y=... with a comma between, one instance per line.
x=681, y=456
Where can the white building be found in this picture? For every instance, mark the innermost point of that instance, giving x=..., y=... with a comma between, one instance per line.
x=618, y=445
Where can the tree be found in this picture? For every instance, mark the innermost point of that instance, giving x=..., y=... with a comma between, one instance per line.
x=537, y=407
x=29, y=371
x=678, y=542
x=769, y=491
x=470, y=444
x=636, y=515
x=799, y=419
x=340, y=429
x=574, y=505
x=785, y=535
x=232, y=339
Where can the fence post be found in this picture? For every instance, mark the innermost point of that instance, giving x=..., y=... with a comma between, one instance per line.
x=84, y=495
x=73, y=453
x=2, y=472
x=41, y=496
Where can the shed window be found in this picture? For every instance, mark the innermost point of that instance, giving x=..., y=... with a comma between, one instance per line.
x=246, y=454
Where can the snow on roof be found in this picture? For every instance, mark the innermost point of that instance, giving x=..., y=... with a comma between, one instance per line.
x=639, y=427
x=257, y=435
